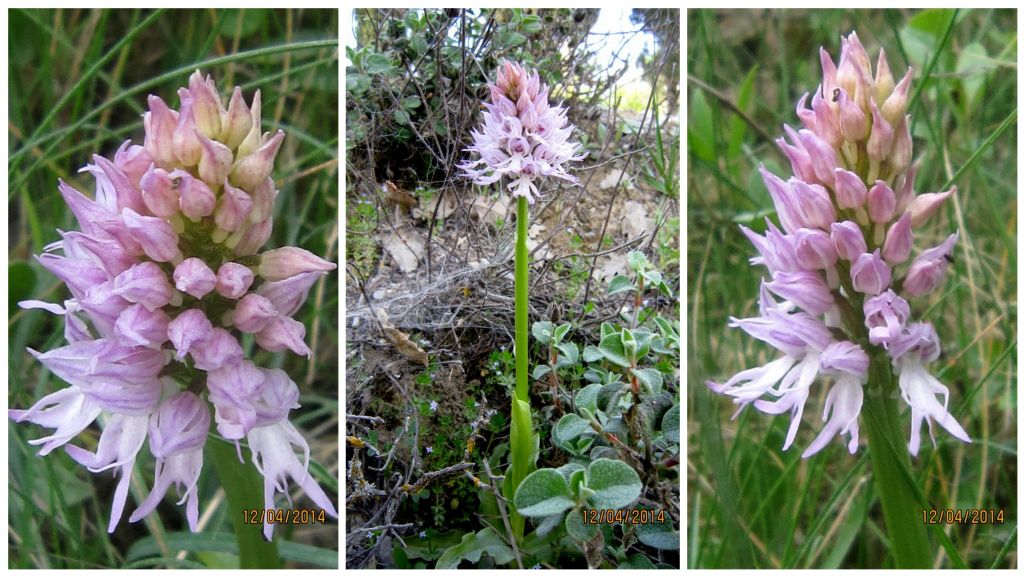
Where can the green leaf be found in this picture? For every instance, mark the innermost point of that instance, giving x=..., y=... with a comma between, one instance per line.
x=567, y=470
x=700, y=135
x=660, y=535
x=670, y=424
x=542, y=331
x=613, y=351
x=579, y=529
x=651, y=378
x=531, y=24
x=376, y=63
x=401, y=116
x=636, y=260
x=615, y=484
x=411, y=102
x=561, y=331
x=972, y=67
x=543, y=493
x=540, y=370
x=638, y=562
x=570, y=427
x=515, y=39
x=592, y=353
x=357, y=83
x=619, y=284
x=737, y=127
x=473, y=545
x=571, y=354
x=586, y=399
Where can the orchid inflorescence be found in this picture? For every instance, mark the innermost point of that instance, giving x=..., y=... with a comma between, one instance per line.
x=165, y=277
x=522, y=136
x=835, y=297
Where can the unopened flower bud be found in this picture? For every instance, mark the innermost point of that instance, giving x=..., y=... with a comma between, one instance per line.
x=197, y=199
x=233, y=208
x=928, y=270
x=924, y=205
x=870, y=274
x=215, y=162
x=898, y=241
x=902, y=148
x=236, y=121
x=144, y=283
x=815, y=250
x=189, y=328
x=233, y=280
x=155, y=235
x=884, y=80
x=851, y=193
x=813, y=201
x=187, y=148
x=805, y=289
x=288, y=295
x=283, y=333
x=849, y=240
x=852, y=120
x=880, y=141
x=254, y=137
x=159, y=192
x=140, y=326
x=881, y=202
x=133, y=160
x=159, y=122
x=252, y=313
x=253, y=169
x=799, y=160
x=895, y=105
x=823, y=157
x=194, y=277
x=283, y=263
x=254, y=238
x=206, y=105
x=217, y=350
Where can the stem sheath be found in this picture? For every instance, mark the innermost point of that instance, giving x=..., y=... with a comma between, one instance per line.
x=908, y=539
x=243, y=486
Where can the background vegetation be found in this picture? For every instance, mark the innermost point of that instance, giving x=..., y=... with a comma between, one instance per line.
x=749, y=503
x=79, y=80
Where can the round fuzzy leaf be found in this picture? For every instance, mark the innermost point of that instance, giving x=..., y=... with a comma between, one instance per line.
x=620, y=284
x=473, y=545
x=542, y=331
x=592, y=354
x=670, y=424
x=570, y=427
x=636, y=261
x=615, y=484
x=613, y=351
x=660, y=535
x=543, y=493
x=579, y=529
x=540, y=371
x=587, y=397
x=567, y=470
x=638, y=562
x=651, y=379
x=570, y=354
x=561, y=331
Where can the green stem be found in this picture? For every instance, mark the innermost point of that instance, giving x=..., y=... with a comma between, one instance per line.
x=908, y=539
x=522, y=303
x=243, y=486
x=524, y=444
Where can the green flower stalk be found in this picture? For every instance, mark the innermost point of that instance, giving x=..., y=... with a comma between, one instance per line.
x=526, y=139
